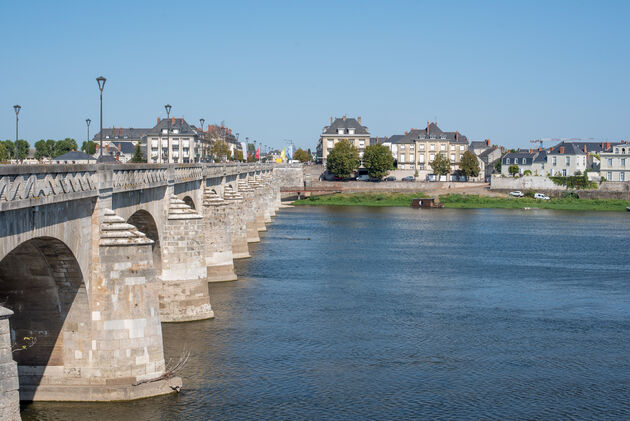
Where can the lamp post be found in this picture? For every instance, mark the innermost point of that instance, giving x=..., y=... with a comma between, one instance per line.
x=203, y=143
x=17, y=109
x=101, y=84
x=88, y=121
x=168, y=107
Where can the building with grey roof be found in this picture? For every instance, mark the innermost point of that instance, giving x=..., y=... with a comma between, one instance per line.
x=74, y=157
x=341, y=128
x=180, y=144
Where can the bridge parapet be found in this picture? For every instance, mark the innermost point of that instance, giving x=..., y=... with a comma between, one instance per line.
x=33, y=185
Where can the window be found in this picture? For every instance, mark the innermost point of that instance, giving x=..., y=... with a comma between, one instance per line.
x=412, y=147
x=421, y=159
x=609, y=176
x=564, y=172
x=523, y=161
x=623, y=162
x=610, y=162
x=452, y=157
x=452, y=147
x=330, y=144
x=361, y=143
x=339, y=131
x=421, y=146
x=568, y=160
x=164, y=131
x=554, y=160
x=422, y=166
x=442, y=147
x=432, y=136
x=507, y=160
x=351, y=131
x=622, y=176
x=442, y=137
x=461, y=148
x=431, y=157
x=432, y=147
x=402, y=158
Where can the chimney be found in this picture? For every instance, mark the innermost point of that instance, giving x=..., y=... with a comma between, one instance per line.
x=457, y=135
x=113, y=131
x=602, y=145
x=331, y=120
x=427, y=126
x=120, y=131
x=551, y=149
x=531, y=151
x=607, y=145
x=561, y=149
x=119, y=147
x=158, y=120
x=406, y=133
x=487, y=142
x=172, y=120
x=359, y=119
x=344, y=117
x=586, y=149
x=539, y=149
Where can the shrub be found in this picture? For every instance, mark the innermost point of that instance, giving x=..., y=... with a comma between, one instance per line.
x=529, y=193
x=513, y=169
x=527, y=172
x=570, y=195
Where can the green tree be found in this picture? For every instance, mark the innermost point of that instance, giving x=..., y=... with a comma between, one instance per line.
x=4, y=154
x=239, y=155
x=343, y=159
x=89, y=147
x=64, y=146
x=301, y=155
x=378, y=160
x=10, y=147
x=513, y=169
x=41, y=149
x=497, y=166
x=138, y=156
x=440, y=165
x=21, y=149
x=220, y=150
x=469, y=165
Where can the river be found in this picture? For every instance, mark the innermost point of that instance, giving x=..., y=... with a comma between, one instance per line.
x=390, y=313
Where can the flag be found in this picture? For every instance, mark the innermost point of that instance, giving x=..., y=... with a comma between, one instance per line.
x=282, y=155
x=257, y=156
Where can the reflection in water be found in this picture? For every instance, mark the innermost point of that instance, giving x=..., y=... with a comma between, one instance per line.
x=399, y=313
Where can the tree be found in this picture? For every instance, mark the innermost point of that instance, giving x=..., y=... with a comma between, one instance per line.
x=138, y=156
x=469, y=165
x=378, y=160
x=343, y=159
x=4, y=154
x=301, y=155
x=239, y=155
x=10, y=147
x=513, y=169
x=64, y=146
x=497, y=166
x=220, y=150
x=21, y=149
x=440, y=165
x=41, y=149
x=89, y=147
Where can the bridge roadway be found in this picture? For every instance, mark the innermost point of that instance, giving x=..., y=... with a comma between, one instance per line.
x=93, y=258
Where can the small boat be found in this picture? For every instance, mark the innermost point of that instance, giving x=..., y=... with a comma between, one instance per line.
x=628, y=208
x=427, y=202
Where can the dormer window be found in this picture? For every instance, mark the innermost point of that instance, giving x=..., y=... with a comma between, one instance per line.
x=443, y=137
x=164, y=131
x=340, y=131
x=433, y=136
x=176, y=131
x=351, y=131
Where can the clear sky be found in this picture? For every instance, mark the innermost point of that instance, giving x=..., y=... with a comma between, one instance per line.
x=505, y=70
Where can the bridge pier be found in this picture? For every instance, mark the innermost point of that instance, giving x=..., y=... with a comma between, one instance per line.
x=184, y=286
x=238, y=223
x=9, y=384
x=250, y=211
x=217, y=238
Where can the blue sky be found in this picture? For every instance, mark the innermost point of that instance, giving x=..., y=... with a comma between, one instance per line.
x=505, y=70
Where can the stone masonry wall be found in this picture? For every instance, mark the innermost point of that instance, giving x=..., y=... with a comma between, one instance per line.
x=9, y=384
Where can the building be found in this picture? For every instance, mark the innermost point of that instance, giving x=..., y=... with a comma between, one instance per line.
x=615, y=162
x=479, y=146
x=489, y=157
x=74, y=157
x=416, y=149
x=568, y=159
x=120, y=151
x=340, y=129
x=181, y=144
x=532, y=160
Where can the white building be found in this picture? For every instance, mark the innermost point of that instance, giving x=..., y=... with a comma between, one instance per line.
x=181, y=144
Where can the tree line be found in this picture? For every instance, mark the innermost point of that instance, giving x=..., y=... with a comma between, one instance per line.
x=50, y=148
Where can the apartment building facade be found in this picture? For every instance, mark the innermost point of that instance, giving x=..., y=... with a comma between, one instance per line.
x=341, y=128
x=179, y=145
x=615, y=162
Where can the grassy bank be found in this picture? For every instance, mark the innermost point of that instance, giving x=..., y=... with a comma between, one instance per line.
x=465, y=201
x=361, y=199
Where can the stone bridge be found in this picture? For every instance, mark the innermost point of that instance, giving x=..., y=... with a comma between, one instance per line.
x=93, y=258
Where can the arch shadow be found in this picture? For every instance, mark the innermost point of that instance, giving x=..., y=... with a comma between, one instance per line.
x=145, y=222
x=189, y=201
x=41, y=281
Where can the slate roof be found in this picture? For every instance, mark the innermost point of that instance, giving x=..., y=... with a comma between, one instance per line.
x=594, y=147
x=126, y=148
x=434, y=130
x=568, y=148
x=488, y=151
x=397, y=138
x=345, y=123
x=73, y=156
x=478, y=144
x=176, y=124
x=106, y=159
x=121, y=133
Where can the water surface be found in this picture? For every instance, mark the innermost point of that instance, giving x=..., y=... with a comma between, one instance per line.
x=390, y=313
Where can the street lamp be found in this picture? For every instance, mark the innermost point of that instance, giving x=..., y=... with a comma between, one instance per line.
x=88, y=121
x=168, y=107
x=101, y=84
x=203, y=142
x=17, y=109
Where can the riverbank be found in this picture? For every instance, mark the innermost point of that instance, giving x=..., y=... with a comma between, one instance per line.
x=459, y=201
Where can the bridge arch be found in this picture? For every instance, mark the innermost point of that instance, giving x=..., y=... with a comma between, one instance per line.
x=144, y=221
x=42, y=282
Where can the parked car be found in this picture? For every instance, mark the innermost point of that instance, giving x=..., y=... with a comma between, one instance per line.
x=431, y=177
x=390, y=178
x=517, y=193
x=409, y=178
x=363, y=177
x=541, y=196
